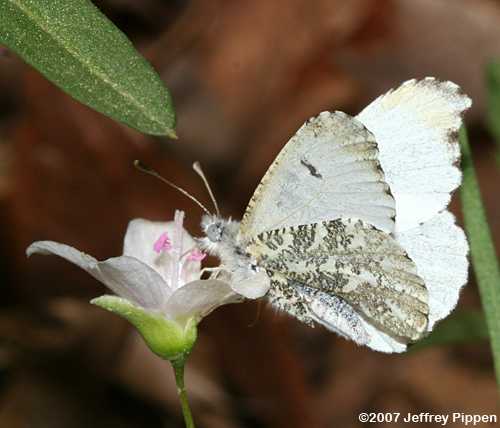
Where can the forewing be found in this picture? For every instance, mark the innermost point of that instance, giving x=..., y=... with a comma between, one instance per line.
x=416, y=128
x=352, y=261
x=328, y=169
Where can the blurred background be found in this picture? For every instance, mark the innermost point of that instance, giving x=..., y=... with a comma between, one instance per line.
x=244, y=76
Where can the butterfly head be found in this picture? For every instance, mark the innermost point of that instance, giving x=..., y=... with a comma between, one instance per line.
x=219, y=233
x=213, y=227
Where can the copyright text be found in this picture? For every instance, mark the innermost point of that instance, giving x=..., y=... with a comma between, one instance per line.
x=466, y=419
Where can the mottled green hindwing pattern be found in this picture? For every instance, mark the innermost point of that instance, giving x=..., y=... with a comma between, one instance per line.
x=350, y=260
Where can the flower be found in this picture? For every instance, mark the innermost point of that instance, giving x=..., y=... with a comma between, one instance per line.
x=156, y=281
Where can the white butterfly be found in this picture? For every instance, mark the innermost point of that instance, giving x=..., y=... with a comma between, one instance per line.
x=349, y=227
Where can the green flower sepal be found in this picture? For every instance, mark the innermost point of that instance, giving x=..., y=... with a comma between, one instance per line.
x=169, y=339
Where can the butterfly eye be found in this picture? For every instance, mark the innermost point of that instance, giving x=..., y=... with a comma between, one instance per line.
x=214, y=232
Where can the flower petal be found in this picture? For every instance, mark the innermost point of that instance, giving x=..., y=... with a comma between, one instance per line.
x=253, y=286
x=190, y=270
x=199, y=298
x=126, y=276
x=134, y=280
x=140, y=238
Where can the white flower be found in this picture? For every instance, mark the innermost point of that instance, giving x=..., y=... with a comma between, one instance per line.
x=156, y=280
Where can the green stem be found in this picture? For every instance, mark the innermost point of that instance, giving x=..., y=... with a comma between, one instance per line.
x=178, y=366
x=482, y=249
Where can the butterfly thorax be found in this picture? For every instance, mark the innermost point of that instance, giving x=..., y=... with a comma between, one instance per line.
x=223, y=240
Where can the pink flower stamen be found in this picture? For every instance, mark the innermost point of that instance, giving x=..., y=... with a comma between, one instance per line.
x=196, y=255
x=163, y=243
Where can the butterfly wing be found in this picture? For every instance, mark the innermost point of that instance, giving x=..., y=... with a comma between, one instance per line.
x=328, y=169
x=439, y=249
x=348, y=276
x=416, y=128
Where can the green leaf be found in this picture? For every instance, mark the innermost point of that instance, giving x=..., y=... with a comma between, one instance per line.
x=76, y=47
x=493, y=94
x=483, y=254
x=461, y=327
x=168, y=339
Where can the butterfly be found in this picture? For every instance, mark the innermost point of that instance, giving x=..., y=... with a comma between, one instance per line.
x=349, y=227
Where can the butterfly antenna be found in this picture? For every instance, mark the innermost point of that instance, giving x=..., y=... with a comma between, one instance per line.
x=199, y=171
x=147, y=170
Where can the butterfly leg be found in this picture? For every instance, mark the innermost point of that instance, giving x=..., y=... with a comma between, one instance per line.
x=214, y=272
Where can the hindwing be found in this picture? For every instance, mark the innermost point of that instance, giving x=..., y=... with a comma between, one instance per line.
x=348, y=260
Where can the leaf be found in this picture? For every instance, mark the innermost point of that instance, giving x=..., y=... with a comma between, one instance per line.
x=461, y=327
x=76, y=47
x=166, y=338
x=482, y=249
x=493, y=93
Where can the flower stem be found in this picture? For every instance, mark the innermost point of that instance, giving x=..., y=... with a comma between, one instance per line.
x=178, y=366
